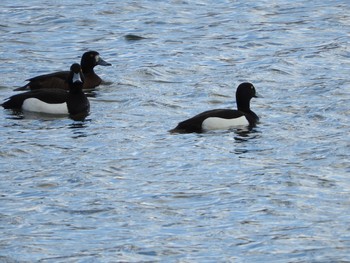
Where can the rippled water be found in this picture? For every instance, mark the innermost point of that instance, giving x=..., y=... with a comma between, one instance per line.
x=119, y=188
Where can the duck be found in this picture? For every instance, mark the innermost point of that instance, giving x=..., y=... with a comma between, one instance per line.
x=56, y=80
x=219, y=119
x=57, y=101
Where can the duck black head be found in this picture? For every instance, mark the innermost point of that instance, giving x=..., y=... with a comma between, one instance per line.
x=244, y=93
x=75, y=78
x=91, y=59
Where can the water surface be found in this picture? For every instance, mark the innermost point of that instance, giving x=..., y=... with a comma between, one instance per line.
x=119, y=188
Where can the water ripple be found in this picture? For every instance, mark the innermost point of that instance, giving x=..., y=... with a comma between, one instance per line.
x=119, y=187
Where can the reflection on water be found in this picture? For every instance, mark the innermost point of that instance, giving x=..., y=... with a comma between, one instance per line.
x=78, y=128
x=14, y=114
x=118, y=187
x=42, y=116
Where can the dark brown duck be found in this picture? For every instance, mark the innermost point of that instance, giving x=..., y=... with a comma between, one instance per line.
x=57, y=80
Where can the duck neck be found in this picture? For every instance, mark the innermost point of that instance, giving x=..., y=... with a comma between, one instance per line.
x=243, y=106
x=76, y=88
x=87, y=68
x=74, y=91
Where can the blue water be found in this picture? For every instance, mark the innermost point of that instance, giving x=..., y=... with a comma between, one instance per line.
x=119, y=188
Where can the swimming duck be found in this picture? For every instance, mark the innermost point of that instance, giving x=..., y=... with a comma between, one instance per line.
x=57, y=80
x=55, y=101
x=224, y=118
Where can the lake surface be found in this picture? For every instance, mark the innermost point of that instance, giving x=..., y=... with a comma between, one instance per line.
x=119, y=187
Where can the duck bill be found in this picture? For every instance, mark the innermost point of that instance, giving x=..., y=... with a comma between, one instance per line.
x=257, y=95
x=101, y=62
x=76, y=78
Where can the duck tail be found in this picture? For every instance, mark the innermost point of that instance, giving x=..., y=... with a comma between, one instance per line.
x=23, y=88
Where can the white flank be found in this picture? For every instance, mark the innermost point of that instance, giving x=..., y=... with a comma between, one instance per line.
x=36, y=105
x=215, y=123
